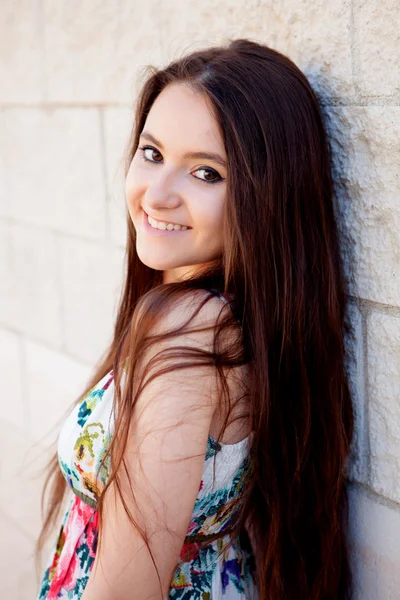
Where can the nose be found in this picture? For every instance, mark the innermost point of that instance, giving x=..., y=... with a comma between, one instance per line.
x=162, y=194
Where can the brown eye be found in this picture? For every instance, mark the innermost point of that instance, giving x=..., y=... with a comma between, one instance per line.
x=215, y=176
x=151, y=149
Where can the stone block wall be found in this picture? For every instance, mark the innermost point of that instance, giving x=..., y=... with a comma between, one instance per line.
x=69, y=72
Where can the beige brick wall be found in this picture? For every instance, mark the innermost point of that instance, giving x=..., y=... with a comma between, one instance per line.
x=68, y=73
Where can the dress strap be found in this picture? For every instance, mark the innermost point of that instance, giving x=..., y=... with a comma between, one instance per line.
x=228, y=298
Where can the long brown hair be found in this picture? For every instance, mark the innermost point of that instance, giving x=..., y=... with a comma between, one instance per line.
x=281, y=262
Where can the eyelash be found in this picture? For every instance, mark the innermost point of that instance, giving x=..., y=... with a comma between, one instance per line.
x=143, y=148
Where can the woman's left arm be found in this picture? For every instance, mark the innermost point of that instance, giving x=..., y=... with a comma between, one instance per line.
x=164, y=460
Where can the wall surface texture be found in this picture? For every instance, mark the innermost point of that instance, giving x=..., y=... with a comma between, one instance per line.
x=69, y=72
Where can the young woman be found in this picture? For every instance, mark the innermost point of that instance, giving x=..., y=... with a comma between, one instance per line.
x=207, y=455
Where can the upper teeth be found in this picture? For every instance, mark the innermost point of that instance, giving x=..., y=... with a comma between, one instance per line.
x=164, y=225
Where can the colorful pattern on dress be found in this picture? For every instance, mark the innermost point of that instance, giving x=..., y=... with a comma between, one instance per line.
x=68, y=573
x=216, y=571
x=213, y=573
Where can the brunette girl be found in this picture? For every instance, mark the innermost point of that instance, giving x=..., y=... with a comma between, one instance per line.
x=206, y=458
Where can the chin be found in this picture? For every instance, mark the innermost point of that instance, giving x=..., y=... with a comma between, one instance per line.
x=156, y=262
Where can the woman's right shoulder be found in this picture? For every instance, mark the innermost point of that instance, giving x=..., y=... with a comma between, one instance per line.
x=191, y=320
x=194, y=306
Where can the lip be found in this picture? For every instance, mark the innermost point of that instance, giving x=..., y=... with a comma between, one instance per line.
x=153, y=231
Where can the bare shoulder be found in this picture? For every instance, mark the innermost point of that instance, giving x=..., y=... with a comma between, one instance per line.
x=179, y=355
x=178, y=364
x=196, y=314
x=203, y=304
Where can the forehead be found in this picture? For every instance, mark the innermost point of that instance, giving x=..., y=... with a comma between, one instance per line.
x=185, y=118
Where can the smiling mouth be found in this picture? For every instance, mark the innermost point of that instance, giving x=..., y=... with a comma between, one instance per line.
x=165, y=225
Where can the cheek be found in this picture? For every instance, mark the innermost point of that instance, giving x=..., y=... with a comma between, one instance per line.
x=211, y=220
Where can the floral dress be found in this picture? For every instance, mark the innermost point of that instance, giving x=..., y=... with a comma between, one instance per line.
x=201, y=573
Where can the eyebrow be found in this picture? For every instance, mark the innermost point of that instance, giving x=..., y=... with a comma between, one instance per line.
x=207, y=155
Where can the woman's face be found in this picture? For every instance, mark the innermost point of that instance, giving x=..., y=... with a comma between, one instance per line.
x=169, y=184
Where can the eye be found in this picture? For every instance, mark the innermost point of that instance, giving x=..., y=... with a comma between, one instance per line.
x=144, y=148
x=214, y=173
x=216, y=176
